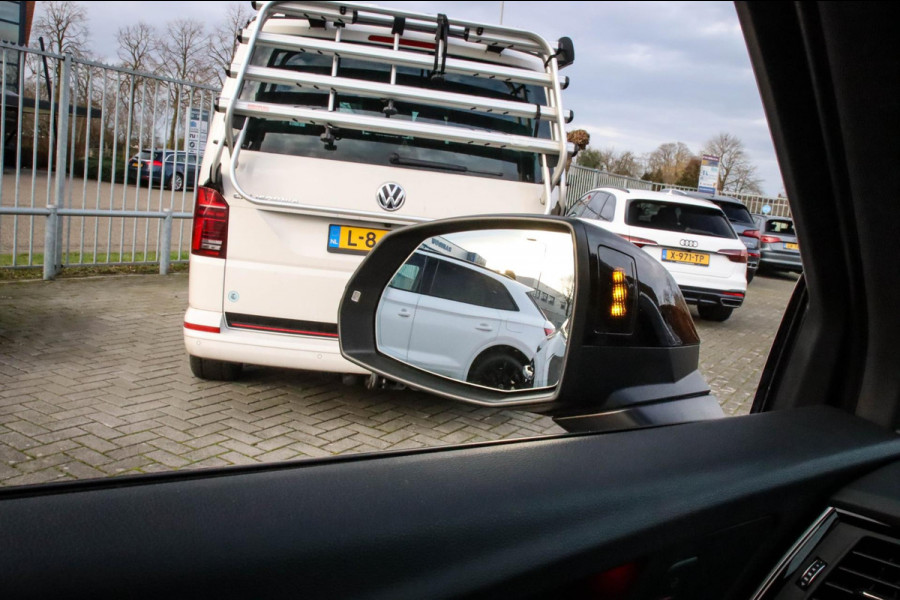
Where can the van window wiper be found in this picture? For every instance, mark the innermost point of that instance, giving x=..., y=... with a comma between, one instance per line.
x=396, y=159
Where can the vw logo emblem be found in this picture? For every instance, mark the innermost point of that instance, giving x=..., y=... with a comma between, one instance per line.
x=390, y=196
x=688, y=243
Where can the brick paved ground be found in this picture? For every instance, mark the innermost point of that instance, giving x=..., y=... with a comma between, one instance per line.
x=94, y=381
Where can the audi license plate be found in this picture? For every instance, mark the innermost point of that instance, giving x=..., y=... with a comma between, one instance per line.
x=791, y=246
x=353, y=240
x=685, y=257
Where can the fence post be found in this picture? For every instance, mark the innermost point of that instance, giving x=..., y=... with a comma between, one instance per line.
x=62, y=148
x=165, y=243
x=50, y=241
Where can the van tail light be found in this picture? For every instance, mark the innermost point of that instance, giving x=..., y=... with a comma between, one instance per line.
x=210, y=234
x=738, y=256
x=752, y=233
x=639, y=241
x=769, y=239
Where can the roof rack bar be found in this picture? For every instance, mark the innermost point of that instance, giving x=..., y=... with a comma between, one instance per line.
x=342, y=13
x=404, y=93
x=355, y=12
x=462, y=135
x=403, y=58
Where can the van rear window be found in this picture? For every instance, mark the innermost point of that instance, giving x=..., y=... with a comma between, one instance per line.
x=301, y=139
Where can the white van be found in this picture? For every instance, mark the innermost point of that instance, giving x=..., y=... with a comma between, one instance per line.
x=339, y=122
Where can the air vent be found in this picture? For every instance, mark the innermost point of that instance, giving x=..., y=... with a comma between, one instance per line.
x=871, y=570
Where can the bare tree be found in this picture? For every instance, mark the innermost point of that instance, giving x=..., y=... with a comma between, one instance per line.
x=668, y=161
x=64, y=26
x=137, y=46
x=184, y=55
x=736, y=173
x=223, y=41
x=611, y=160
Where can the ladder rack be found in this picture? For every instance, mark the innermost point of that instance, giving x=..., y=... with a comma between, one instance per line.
x=432, y=57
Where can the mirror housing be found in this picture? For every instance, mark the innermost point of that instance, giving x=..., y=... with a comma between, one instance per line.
x=634, y=364
x=565, y=56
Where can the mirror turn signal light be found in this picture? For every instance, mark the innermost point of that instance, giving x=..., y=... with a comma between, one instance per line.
x=619, y=294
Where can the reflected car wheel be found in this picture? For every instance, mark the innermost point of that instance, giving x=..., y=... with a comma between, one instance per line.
x=177, y=182
x=499, y=371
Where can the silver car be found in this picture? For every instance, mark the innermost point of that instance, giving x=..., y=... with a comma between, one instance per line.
x=778, y=246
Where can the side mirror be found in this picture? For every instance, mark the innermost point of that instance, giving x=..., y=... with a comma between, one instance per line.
x=566, y=53
x=553, y=315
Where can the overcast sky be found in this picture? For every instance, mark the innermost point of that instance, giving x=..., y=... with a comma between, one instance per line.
x=645, y=73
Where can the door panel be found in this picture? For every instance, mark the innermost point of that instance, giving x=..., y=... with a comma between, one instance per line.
x=515, y=519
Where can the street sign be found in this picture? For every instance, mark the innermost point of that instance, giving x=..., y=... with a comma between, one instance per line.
x=709, y=175
x=198, y=130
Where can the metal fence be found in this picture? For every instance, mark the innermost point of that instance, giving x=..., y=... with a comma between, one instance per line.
x=98, y=163
x=582, y=179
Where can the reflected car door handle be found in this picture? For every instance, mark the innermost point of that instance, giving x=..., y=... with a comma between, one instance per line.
x=484, y=327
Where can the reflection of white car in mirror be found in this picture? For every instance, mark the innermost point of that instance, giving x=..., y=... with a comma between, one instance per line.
x=461, y=320
x=548, y=360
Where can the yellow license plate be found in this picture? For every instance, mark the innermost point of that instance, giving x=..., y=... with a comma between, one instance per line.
x=353, y=240
x=791, y=246
x=685, y=257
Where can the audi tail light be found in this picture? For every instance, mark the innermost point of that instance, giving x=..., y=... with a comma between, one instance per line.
x=738, y=256
x=769, y=239
x=639, y=241
x=210, y=233
x=751, y=233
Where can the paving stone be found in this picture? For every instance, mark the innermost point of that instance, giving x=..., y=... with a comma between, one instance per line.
x=101, y=393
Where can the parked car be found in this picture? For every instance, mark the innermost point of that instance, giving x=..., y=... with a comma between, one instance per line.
x=779, y=248
x=176, y=169
x=461, y=320
x=741, y=220
x=692, y=238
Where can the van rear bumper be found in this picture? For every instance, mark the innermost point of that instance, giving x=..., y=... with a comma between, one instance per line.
x=268, y=349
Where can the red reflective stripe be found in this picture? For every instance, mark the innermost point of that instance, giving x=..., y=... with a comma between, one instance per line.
x=737, y=294
x=205, y=328
x=403, y=42
x=281, y=330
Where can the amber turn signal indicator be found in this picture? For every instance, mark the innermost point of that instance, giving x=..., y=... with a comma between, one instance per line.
x=619, y=294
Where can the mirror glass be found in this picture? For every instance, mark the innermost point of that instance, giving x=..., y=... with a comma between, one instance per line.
x=488, y=307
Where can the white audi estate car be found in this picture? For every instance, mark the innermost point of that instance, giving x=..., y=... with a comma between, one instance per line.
x=692, y=238
x=461, y=320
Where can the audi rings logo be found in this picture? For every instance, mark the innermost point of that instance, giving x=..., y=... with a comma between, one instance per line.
x=688, y=244
x=391, y=196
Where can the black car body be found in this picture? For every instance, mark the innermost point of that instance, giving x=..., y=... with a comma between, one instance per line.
x=176, y=170
x=741, y=220
x=779, y=249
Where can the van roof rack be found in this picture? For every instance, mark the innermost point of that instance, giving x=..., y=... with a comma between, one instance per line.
x=431, y=57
